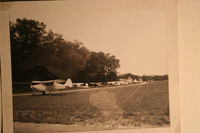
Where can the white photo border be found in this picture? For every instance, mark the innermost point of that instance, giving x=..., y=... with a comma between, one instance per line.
x=6, y=96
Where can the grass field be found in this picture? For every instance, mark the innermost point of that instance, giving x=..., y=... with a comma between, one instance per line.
x=127, y=106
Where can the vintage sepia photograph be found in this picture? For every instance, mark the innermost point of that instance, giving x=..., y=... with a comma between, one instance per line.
x=89, y=65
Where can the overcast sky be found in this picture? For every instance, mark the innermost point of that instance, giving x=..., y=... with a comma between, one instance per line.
x=132, y=30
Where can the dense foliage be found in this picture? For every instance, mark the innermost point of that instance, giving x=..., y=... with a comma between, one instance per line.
x=99, y=67
x=127, y=75
x=38, y=54
x=154, y=77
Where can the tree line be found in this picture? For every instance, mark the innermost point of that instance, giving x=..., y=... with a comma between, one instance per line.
x=38, y=54
x=144, y=77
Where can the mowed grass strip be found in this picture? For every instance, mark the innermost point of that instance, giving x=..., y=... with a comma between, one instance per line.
x=142, y=105
x=62, y=109
x=145, y=105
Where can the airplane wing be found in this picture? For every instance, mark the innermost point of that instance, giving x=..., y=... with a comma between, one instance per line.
x=49, y=82
x=61, y=81
x=36, y=82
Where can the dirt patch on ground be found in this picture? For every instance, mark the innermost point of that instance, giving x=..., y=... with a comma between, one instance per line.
x=106, y=102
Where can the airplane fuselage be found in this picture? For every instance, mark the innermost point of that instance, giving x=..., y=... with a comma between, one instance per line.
x=55, y=86
x=47, y=86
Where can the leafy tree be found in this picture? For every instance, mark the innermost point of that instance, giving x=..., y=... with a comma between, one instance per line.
x=32, y=45
x=154, y=77
x=40, y=72
x=100, y=67
x=127, y=75
x=26, y=36
x=64, y=58
x=40, y=55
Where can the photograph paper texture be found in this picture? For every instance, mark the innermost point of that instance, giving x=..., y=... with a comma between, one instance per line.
x=1, y=127
x=117, y=30
x=6, y=94
x=189, y=63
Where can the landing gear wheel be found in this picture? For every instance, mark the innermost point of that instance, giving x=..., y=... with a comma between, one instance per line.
x=43, y=93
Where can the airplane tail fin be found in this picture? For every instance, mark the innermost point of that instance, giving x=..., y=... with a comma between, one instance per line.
x=68, y=83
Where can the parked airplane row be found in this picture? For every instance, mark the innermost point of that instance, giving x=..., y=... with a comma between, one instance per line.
x=52, y=85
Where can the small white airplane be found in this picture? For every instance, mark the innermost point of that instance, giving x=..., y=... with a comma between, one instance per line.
x=137, y=81
x=47, y=86
x=80, y=85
